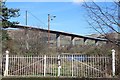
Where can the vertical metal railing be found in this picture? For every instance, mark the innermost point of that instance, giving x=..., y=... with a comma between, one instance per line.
x=66, y=65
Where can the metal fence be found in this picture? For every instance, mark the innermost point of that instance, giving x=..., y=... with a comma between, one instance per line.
x=65, y=65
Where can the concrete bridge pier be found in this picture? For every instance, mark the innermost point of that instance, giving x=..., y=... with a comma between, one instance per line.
x=85, y=41
x=96, y=42
x=58, y=40
x=72, y=40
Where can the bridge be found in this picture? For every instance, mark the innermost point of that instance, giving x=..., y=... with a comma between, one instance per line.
x=59, y=33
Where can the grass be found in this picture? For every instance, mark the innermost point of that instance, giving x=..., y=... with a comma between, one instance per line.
x=54, y=78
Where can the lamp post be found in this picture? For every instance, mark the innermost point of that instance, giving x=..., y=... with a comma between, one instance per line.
x=26, y=14
x=50, y=18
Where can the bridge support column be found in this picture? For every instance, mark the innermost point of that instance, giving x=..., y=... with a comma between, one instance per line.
x=96, y=42
x=81, y=41
x=72, y=40
x=85, y=41
x=58, y=40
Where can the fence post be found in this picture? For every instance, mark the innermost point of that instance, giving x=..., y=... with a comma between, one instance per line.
x=59, y=66
x=44, y=64
x=6, y=63
x=113, y=62
x=72, y=65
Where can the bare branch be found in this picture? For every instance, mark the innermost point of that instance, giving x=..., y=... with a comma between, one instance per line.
x=101, y=18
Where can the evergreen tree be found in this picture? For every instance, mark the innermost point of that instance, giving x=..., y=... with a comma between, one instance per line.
x=8, y=13
x=5, y=15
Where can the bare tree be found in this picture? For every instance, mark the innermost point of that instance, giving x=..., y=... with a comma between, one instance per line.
x=104, y=18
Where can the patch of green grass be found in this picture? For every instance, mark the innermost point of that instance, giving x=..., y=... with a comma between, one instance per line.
x=55, y=78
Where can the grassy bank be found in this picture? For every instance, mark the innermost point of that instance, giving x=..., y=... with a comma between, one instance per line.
x=52, y=78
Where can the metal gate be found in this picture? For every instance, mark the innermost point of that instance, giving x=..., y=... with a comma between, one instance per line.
x=65, y=65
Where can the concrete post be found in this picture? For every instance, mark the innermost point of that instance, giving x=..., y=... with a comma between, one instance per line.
x=113, y=62
x=6, y=63
x=59, y=66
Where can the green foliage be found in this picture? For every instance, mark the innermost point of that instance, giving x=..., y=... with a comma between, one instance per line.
x=5, y=35
x=8, y=13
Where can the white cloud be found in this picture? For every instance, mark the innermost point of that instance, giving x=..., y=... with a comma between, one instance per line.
x=78, y=0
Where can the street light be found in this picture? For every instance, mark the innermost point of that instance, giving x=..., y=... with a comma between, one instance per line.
x=50, y=18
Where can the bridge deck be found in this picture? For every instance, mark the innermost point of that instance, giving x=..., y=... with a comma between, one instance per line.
x=59, y=32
